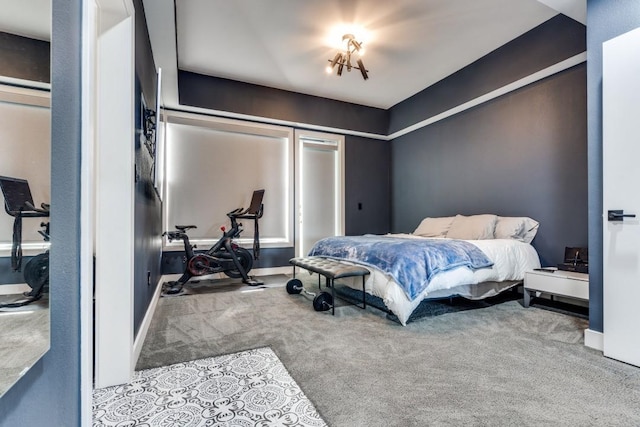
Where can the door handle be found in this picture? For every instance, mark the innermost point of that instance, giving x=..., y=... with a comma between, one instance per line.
x=618, y=215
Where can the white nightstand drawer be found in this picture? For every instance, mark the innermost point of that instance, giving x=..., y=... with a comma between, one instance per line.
x=564, y=283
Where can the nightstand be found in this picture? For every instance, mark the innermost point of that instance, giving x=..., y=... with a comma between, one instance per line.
x=559, y=282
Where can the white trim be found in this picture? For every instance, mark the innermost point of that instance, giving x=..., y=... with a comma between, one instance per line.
x=594, y=339
x=305, y=138
x=114, y=178
x=532, y=78
x=28, y=249
x=235, y=126
x=14, y=289
x=87, y=213
x=27, y=84
x=258, y=272
x=268, y=271
x=266, y=120
x=25, y=96
x=146, y=322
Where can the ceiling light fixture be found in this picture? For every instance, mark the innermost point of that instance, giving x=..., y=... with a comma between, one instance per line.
x=344, y=58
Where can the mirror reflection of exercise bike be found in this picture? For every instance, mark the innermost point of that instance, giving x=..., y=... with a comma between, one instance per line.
x=18, y=203
x=225, y=256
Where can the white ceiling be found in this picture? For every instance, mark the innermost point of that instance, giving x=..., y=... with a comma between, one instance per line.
x=410, y=44
x=28, y=18
x=284, y=43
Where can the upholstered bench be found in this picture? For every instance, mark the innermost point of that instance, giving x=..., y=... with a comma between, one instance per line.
x=331, y=270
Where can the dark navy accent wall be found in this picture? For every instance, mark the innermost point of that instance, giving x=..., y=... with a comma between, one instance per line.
x=229, y=95
x=522, y=154
x=551, y=42
x=24, y=58
x=49, y=393
x=606, y=20
x=148, y=208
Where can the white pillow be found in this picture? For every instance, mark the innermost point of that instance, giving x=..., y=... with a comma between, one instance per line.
x=474, y=227
x=509, y=228
x=517, y=228
x=529, y=230
x=434, y=227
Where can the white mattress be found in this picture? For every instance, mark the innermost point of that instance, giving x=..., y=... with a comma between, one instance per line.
x=511, y=259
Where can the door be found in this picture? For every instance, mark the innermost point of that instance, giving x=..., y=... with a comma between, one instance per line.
x=320, y=188
x=621, y=180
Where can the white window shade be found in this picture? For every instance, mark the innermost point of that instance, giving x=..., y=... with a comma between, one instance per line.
x=214, y=165
x=26, y=151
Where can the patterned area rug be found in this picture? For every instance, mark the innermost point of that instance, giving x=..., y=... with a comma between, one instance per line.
x=250, y=388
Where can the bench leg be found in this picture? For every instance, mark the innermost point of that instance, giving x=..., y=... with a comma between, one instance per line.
x=333, y=298
x=364, y=295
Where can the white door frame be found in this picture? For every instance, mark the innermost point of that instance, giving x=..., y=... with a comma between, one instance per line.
x=114, y=99
x=300, y=136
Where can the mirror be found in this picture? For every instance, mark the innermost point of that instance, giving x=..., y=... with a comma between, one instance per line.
x=25, y=137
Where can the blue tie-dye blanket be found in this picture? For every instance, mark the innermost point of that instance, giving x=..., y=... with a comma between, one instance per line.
x=411, y=262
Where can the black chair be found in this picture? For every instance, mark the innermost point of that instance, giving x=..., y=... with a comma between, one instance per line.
x=254, y=212
x=18, y=203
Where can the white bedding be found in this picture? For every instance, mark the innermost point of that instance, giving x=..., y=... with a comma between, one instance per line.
x=511, y=258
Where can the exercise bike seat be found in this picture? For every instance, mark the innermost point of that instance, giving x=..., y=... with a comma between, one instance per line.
x=184, y=228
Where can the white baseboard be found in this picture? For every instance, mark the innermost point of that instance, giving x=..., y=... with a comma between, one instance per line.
x=271, y=270
x=14, y=289
x=593, y=339
x=254, y=272
x=146, y=322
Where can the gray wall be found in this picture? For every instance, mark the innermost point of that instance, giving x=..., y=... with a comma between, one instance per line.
x=606, y=19
x=522, y=154
x=49, y=393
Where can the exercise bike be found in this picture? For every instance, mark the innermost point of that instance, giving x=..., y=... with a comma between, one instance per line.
x=225, y=256
x=18, y=203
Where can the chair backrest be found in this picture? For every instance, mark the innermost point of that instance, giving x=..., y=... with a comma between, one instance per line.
x=16, y=194
x=256, y=202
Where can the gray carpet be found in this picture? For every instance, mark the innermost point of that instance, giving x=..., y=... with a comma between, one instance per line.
x=493, y=366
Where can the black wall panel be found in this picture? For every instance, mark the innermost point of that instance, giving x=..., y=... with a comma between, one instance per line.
x=148, y=208
x=24, y=58
x=173, y=261
x=229, y=95
x=367, y=186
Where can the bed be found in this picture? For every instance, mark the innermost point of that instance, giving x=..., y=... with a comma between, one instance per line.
x=475, y=257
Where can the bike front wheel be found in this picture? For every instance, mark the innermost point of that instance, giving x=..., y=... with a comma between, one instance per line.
x=246, y=261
